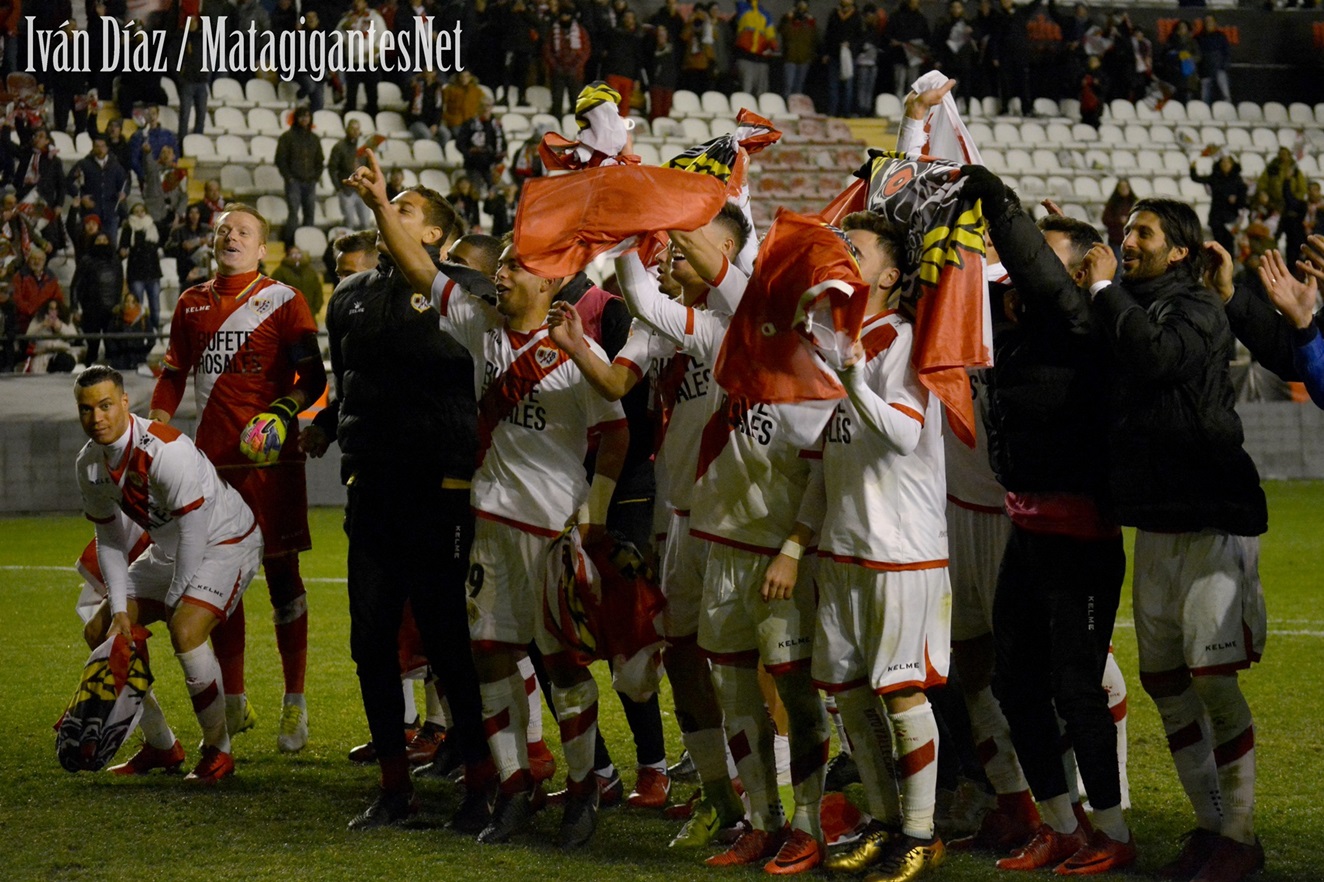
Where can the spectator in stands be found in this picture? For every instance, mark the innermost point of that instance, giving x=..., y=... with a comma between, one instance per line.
x=15, y=226
x=668, y=16
x=723, y=46
x=1215, y=57
x=299, y=159
x=461, y=98
x=130, y=318
x=755, y=45
x=698, y=52
x=152, y=134
x=908, y=35
x=1182, y=62
x=296, y=270
x=1115, y=212
x=1286, y=186
x=1314, y=205
x=189, y=245
x=424, y=111
x=285, y=17
x=528, y=163
x=465, y=201
x=663, y=74
x=354, y=253
x=519, y=30
x=867, y=58
x=118, y=144
x=1010, y=48
x=212, y=200
x=165, y=189
x=482, y=143
x=32, y=286
x=97, y=287
x=53, y=351
x=366, y=73
x=100, y=184
x=799, y=35
x=566, y=52
x=83, y=227
x=140, y=247
x=8, y=329
x=66, y=88
x=954, y=45
x=1227, y=193
x=623, y=58
x=1093, y=91
x=191, y=80
x=841, y=40
x=345, y=157
x=141, y=84
x=395, y=182
x=39, y=168
x=311, y=90
x=500, y=206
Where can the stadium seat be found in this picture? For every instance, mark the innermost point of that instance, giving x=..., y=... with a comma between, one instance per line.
x=1275, y=112
x=1301, y=114
x=1082, y=133
x=1197, y=111
x=328, y=124
x=1161, y=134
x=262, y=93
x=1174, y=112
x=199, y=147
x=453, y=159
x=1033, y=135
x=1264, y=138
x=366, y=123
x=515, y=124
x=237, y=180
x=436, y=179
x=1124, y=160
x=267, y=179
x=410, y=177
x=801, y=105
x=1087, y=188
x=264, y=121
x=1249, y=111
x=1145, y=113
x=311, y=241
x=227, y=92
x=1059, y=133
x=545, y=119
x=1239, y=138
x=328, y=144
x=392, y=124
x=666, y=127
x=1215, y=135
x=1191, y=191
x=1123, y=111
x=171, y=91
x=428, y=152
x=537, y=97
x=1175, y=162
x=1019, y=161
x=1136, y=134
x=1046, y=107
x=232, y=121
x=233, y=148
x=263, y=147
x=773, y=107
x=994, y=159
x=1059, y=187
x=1290, y=138
x=1142, y=187
x=685, y=103
x=1006, y=134
x=1110, y=133
x=1252, y=165
x=715, y=104
x=647, y=154
x=288, y=93
x=274, y=209
x=743, y=99
x=981, y=133
x=1033, y=187
x=65, y=145
x=170, y=272
x=991, y=108
x=1098, y=159
x=394, y=151
x=888, y=105
x=1166, y=186
x=324, y=186
x=669, y=150
x=1224, y=112
x=389, y=97
x=723, y=125
x=1045, y=160
x=330, y=209
x=1150, y=160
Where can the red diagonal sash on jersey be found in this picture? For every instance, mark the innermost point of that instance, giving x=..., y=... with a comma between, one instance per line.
x=717, y=433
x=529, y=368
x=668, y=387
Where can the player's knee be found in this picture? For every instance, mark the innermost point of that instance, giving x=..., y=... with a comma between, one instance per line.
x=188, y=632
x=284, y=583
x=1165, y=684
x=291, y=611
x=1223, y=700
x=94, y=632
x=902, y=700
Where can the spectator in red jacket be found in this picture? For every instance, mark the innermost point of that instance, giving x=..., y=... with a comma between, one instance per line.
x=32, y=286
x=565, y=53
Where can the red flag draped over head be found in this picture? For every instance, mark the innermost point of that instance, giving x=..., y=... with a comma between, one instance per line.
x=563, y=222
x=806, y=270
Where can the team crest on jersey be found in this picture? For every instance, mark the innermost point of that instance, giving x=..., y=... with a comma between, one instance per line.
x=545, y=356
x=261, y=305
x=419, y=302
x=137, y=479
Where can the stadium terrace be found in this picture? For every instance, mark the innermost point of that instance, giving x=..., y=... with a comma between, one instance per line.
x=318, y=53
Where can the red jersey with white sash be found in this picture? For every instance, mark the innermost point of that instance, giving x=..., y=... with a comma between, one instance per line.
x=153, y=475
x=239, y=335
x=887, y=510
x=536, y=411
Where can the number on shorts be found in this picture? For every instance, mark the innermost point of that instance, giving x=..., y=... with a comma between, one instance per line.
x=475, y=579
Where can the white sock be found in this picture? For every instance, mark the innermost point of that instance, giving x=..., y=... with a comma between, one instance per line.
x=1111, y=822
x=153, y=723
x=1059, y=813
x=871, y=746
x=202, y=676
x=577, y=713
x=1191, y=744
x=411, y=705
x=533, y=698
x=993, y=743
x=296, y=698
x=438, y=708
x=1234, y=753
x=916, y=733
x=749, y=734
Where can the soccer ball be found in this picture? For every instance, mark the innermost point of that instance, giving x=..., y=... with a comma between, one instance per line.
x=263, y=437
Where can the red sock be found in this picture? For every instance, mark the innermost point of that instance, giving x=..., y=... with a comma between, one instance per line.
x=227, y=640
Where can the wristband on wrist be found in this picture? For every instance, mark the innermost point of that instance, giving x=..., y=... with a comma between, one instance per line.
x=285, y=407
x=792, y=549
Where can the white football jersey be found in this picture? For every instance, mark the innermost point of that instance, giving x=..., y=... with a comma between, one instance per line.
x=153, y=476
x=886, y=510
x=970, y=481
x=532, y=474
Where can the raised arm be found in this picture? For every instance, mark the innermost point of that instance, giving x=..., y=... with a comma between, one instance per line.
x=409, y=254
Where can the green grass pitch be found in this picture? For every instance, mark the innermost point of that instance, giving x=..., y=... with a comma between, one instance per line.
x=283, y=818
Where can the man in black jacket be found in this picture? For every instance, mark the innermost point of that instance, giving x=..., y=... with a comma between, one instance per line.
x=1061, y=576
x=405, y=419
x=1180, y=475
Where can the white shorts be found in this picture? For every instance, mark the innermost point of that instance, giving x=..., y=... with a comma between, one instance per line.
x=886, y=630
x=505, y=584
x=975, y=542
x=738, y=627
x=684, y=558
x=1198, y=602
x=217, y=586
